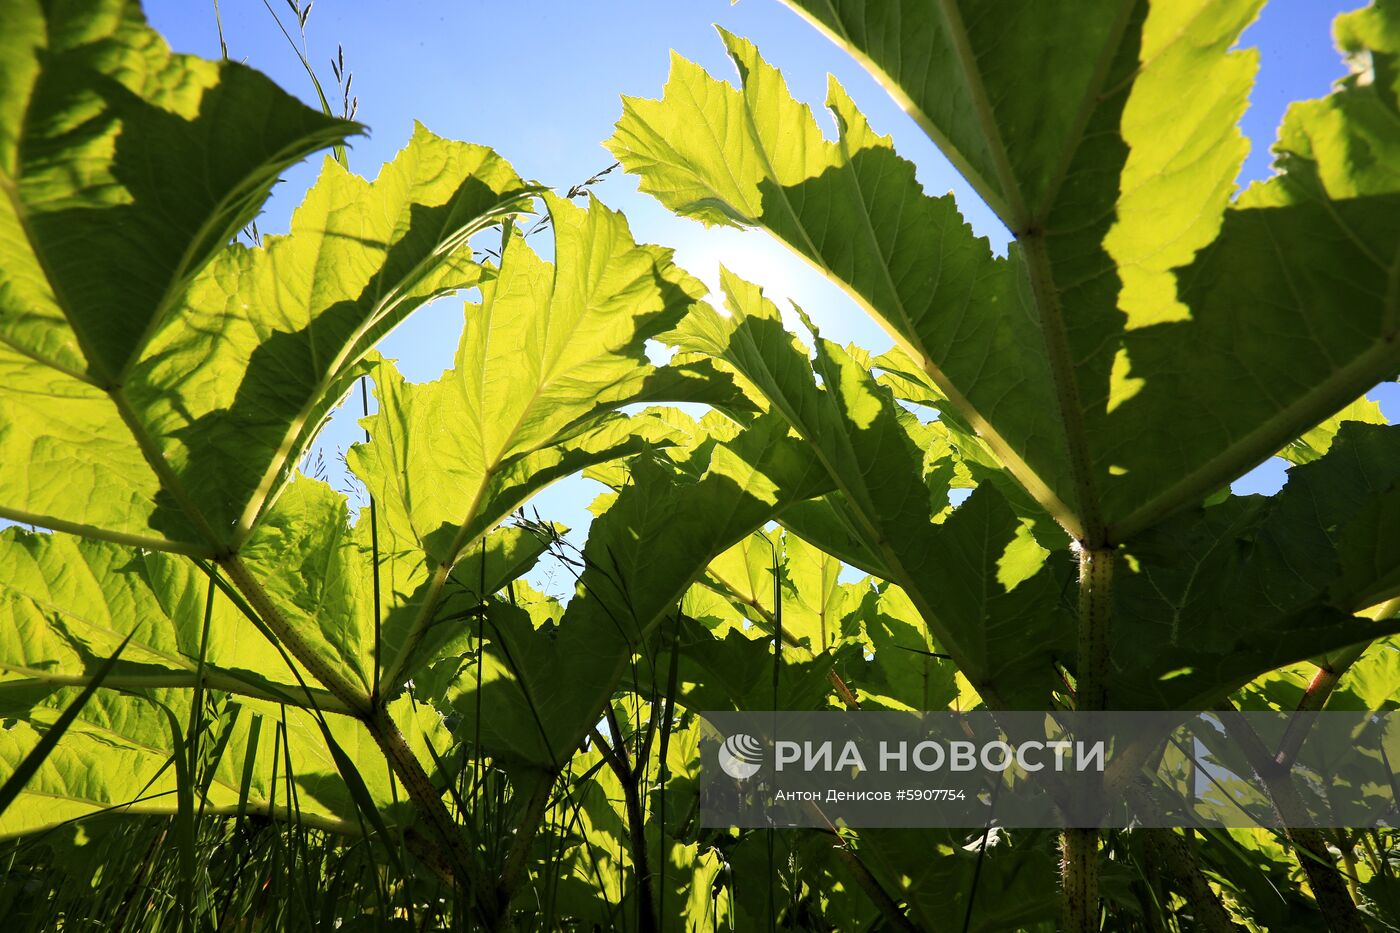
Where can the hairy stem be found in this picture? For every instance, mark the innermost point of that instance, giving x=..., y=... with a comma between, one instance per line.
x=1079, y=864
x=1170, y=857
x=1079, y=878
x=1309, y=845
x=1095, y=612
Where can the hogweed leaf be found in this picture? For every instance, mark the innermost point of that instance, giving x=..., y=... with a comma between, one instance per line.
x=754, y=157
x=643, y=554
x=1146, y=340
x=68, y=602
x=159, y=379
x=1222, y=593
x=986, y=598
x=543, y=365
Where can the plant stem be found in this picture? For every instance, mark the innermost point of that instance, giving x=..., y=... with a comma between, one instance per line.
x=1079, y=878
x=1079, y=866
x=868, y=883
x=1328, y=676
x=517, y=858
x=444, y=829
x=630, y=778
x=1095, y=612
x=1169, y=854
x=291, y=639
x=1310, y=846
x=447, y=832
x=1348, y=850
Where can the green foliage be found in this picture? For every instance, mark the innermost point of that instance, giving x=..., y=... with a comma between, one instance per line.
x=312, y=715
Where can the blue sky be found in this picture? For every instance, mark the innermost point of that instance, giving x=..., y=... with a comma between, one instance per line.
x=539, y=81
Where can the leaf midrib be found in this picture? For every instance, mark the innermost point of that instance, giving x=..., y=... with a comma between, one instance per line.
x=153, y=456
x=1328, y=396
x=1043, y=289
x=982, y=110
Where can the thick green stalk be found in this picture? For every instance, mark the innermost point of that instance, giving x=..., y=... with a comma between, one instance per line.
x=1095, y=613
x=1310, y=846
x=1079, y=879
x=443, y=829
x=1079, y=865
x=1170, y=857
x=354, y=699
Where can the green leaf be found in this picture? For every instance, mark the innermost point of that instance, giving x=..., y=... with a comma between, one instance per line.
x=808, y=880
x=595, y=883
x=125, y=170
x=1146, y=340
x=904, y=672
x=744, y=576
x=966, y=77
x=271, y=338
x=1367, y=685
x=934, y=870
x=545, y=686
x=543, y=365
x=815, y=612
x=21, y=774
x=1221, y=594
x=754, y=156
x=319, y=571
x=1318, y=440
x=169, y=376
x=826, y=521
x=735, y=671
x=118, y=755
x=303, y=558
x=976, y=578
x=69, y=602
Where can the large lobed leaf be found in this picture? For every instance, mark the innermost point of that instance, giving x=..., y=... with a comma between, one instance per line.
x=544, y=685
x=68, y=603
x=976, y=580
x=1147, y=339
x=1225, y=592
x=545, y=362
x=754, y=156
x=355, y=593
x=158, y=380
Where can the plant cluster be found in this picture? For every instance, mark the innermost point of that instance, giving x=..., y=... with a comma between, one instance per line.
x=307, y=715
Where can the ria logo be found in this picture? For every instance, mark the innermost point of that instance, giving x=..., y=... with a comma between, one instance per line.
x=740, y=756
